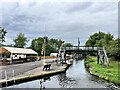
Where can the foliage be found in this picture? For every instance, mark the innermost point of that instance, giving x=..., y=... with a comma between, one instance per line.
x=52, y=45
x=105, y=40
x=36, y=44
x=108, y=37
x=2, y=35
x=99, y=39
x=68, y=45
x=113, y=49
x=20, y=41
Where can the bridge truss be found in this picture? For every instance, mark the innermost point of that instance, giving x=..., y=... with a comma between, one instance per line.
x=101, y=52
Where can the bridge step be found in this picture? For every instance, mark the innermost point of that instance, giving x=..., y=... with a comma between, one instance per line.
x=102, y=53
x=107, y=60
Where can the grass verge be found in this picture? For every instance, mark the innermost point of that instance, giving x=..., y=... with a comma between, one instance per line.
x=110, y=73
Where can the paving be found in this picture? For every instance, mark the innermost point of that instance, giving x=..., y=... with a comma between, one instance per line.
x=21, y=68
x=28, y=69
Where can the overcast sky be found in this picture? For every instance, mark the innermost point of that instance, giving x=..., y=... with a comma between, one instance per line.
x=64, y=20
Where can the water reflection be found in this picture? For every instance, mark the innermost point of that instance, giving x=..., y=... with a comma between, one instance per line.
x=75, y=77
x=65, y=82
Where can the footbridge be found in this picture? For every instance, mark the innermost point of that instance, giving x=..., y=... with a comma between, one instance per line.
x=101, y=52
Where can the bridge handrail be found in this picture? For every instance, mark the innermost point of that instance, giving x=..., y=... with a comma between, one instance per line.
x=83, y=48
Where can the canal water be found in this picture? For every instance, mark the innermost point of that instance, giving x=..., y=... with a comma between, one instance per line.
x=75, y=77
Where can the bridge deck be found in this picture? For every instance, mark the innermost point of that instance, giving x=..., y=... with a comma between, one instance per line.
x=100, y=50
x=82, y=49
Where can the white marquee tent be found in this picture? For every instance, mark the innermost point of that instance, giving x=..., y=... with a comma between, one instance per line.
x=5, y=50
x=17, y=51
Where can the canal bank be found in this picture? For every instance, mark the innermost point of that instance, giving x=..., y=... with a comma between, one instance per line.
x=110, y=74
x=35, y=73
x=75, y=76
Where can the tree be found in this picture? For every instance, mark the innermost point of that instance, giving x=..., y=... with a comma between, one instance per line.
x=68, y=45
x=52, y=45
x=100, y=43
x=105, y=40
x=93, y=39
x=2, y=35
x=20, y=41
x=99, y=39
x=113, y=49
x=36, y=44
x=108, y=37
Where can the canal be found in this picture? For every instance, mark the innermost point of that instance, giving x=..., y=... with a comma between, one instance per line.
x=75, y=77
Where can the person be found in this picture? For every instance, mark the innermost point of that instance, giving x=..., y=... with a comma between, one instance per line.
x=57, y=59
x=103, y=58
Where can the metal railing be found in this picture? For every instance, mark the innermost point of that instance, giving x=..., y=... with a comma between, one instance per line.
x=82, y=48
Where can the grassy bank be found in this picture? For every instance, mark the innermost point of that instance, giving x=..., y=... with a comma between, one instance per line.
x=108, y=73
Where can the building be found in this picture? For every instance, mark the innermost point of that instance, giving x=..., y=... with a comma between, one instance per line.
x=12, y=53
x=54, y=54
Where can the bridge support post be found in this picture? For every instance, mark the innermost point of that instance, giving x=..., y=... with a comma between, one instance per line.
x=98, y=58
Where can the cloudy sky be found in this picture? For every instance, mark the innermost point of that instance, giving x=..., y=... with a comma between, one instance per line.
x=64, y=20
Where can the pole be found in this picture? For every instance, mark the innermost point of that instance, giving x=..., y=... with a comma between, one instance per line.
x=11, y=57
x=44, y=50
x=6, y=77
x=45, y=43
x=78, y=43
x=13, y=76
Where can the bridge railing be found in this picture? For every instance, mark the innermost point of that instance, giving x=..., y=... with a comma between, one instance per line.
x=82, y=48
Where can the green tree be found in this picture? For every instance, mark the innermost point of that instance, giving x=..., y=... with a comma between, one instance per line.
x=20, y=41
x=36, y=44
x=113, y=49
x=52, y=45
x=106, y=40
x=101, y=42
x=68, y=45
x=2, y=35
x=99, y=39
x=108, y=37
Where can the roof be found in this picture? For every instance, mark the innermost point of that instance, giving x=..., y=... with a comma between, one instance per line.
x=16, y=50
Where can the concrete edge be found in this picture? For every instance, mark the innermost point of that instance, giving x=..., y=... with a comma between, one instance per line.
x=32, y=77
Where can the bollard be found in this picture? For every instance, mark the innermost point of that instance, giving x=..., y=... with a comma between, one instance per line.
x=6, y=77
x=13, y=76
